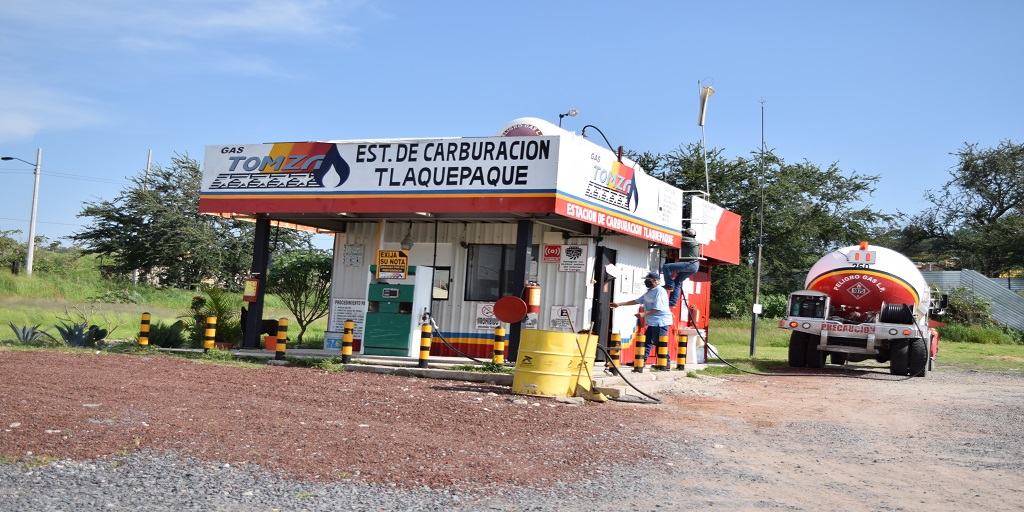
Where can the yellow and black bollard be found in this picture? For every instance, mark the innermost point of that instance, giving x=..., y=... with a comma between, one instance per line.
x=282, y=338
x=499, y=345
x=639, y=349
x=144, y=331
x=346, y=342
x=662, y=346
x=614, y=348
x=210, y=334
x=681, y=354
x=425, y=334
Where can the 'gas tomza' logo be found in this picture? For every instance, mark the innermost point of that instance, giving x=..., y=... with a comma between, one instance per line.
x=616, y=187
x=289, y=165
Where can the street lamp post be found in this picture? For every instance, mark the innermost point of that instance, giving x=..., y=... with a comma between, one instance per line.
x=35, y=202
x=571, y=113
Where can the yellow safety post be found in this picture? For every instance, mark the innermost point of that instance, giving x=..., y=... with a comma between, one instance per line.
x=614, y=348
x=144, y=330
x=662, y=346
x=682, y=339
x=638, y=357
x=425, y=334
x=499, y=345
x=282, y=338
x=346, y=342
x=210, y=334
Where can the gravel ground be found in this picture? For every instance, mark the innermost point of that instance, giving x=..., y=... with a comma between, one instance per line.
x=162, y=433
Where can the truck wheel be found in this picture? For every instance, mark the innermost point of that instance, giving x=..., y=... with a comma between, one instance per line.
x=918, y=358
x=898, y=356
x=838, y=358
x=815, y=357
x=797, y=350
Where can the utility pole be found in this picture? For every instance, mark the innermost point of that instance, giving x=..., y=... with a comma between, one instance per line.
x=32, y=219
x=35, y=201
x=756, y=312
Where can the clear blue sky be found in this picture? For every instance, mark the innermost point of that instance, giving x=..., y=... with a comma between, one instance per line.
x=887, y=88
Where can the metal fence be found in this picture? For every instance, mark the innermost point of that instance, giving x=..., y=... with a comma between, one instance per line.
x=1007, y=305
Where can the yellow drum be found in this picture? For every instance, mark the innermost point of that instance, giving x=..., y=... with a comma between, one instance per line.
x=549, y=363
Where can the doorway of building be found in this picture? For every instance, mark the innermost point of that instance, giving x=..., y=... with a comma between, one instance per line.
x=603, y=287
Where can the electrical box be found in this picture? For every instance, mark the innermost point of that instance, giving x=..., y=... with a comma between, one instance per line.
x=394, y=313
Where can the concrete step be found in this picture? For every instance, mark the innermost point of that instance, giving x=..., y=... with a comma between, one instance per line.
x=649, y=381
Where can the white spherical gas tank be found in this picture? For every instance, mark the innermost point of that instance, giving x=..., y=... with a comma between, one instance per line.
x=530, y=126
x=862, y=278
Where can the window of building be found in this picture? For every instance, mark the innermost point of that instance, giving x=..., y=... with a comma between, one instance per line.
x=489, y=272
x=442, y=281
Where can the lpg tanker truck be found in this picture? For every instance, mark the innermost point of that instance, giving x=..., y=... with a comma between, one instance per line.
x=863, y=302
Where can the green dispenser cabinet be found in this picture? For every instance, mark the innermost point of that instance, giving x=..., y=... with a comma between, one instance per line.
x=394, y=313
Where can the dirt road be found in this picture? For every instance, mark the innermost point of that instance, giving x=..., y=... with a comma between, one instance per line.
x=947, y=442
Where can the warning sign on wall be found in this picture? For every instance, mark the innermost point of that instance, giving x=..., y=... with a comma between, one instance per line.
x=573, y=258
x=392, y=264
x=552, y=253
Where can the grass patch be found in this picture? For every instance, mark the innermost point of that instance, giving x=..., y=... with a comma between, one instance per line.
x=331, y=364
x=485, y=368
x=27, y=462
x=47, y=296
x=986, y=358
x=732, y=339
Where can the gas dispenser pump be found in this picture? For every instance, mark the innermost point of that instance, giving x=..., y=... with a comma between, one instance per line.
x=393, y=313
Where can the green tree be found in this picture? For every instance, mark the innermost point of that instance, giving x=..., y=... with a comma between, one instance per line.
x=154, y=226
x=302, y=279
x=977, y=216
x=10, y=249
x=49, y=256
x=808, y=210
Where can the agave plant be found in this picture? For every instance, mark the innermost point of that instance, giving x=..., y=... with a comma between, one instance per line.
x=31, y=335
x=80, y=335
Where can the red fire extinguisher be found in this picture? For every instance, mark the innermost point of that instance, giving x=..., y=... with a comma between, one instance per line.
x=532, y=296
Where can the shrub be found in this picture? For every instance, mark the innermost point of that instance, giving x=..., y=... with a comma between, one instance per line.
x=167, y=336
x=967, y=308
x=773, y=305
x=986, y=335
x=216, y=302
x=1016, y=336
x=732, y=309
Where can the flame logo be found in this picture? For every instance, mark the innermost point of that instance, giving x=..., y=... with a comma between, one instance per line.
x=332, y=162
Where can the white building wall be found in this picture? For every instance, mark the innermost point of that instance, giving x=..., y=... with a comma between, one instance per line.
x=458, y=317
x=634, y=260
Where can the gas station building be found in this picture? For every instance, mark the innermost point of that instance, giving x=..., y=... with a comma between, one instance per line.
x=437, y=230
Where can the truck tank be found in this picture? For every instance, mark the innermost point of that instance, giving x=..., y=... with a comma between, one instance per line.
x=863, y=302
x=864, y=278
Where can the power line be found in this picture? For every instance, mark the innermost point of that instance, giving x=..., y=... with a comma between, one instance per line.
x=85, y=178
x=67, y=175
x=42, y=222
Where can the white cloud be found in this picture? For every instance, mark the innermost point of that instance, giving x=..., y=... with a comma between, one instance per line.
x=132, y=37
x=28, y=110
x=165, y=24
